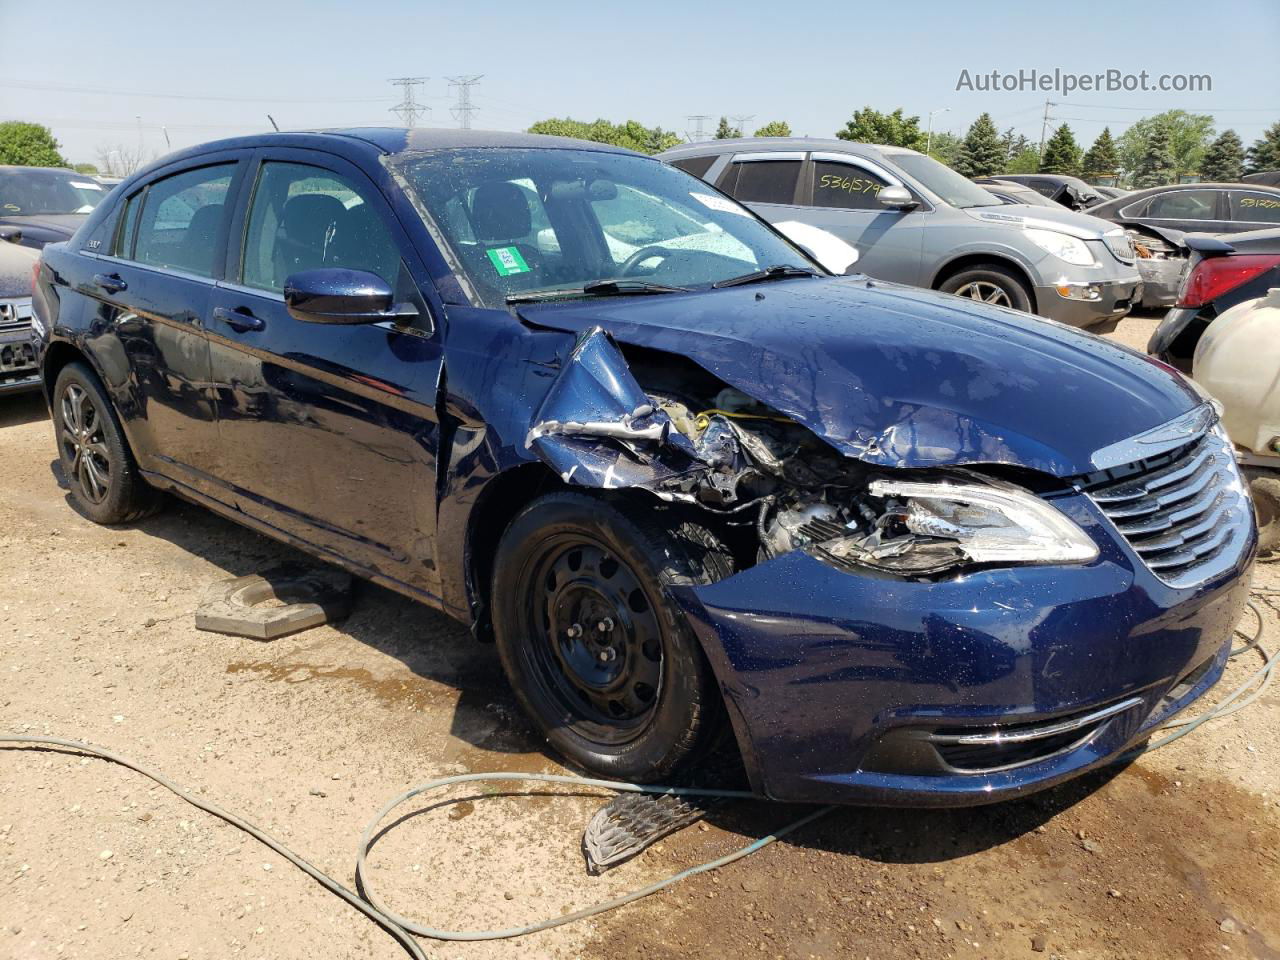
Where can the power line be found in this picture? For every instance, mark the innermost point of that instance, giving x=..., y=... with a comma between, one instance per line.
x=408, y=109
x=68, y=88
x=742, y=118
x=462, y=112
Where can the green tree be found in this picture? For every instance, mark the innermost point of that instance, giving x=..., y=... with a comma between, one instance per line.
x=775, y=128
x=1188, y=135
x=630, y=134
x=88, y=169
x=726, y=130
x=888, y=129
x=945, y=147
x=29, y=145
x=1155, y=166
x=1026, y=160
x=982, y=153
x=1061, y=153
x=1101, y=159
x=1265, y=152
x=1224, y=160
x=1013, y=144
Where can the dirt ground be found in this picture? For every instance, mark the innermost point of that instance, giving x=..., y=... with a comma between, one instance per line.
x=1175, y=856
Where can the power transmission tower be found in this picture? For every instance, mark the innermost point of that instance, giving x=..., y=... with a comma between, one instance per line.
x=408, y=108
x=741, y=121
x=698, y=132
x=462, y=112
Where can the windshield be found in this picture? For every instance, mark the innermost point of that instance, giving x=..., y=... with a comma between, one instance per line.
x=522, y=222
x=25, y=192
x=943, y=181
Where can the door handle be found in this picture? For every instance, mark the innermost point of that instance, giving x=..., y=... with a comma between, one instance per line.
x=110, y=282
x=239, y=320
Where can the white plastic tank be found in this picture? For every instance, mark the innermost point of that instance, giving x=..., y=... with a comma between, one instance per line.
x=1238, y=361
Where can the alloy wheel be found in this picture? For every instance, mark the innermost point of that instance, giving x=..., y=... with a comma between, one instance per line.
x=986, y=291
x=83, y=443
x=600, y=653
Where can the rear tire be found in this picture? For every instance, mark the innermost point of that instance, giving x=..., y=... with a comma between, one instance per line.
x=990, y=283
x=96, y=461
x=597, y=651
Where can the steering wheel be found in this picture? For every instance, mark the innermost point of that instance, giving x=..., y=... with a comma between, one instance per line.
x=640, y=256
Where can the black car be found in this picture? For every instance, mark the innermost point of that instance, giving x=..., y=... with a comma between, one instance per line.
x=46, y=204
x=1198, y=207
x=1072, y=192
x=1223, y=271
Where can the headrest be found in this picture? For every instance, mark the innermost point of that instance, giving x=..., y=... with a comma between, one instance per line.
x=500, y=211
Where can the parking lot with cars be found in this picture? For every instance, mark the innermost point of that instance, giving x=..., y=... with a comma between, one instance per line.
x=1173, y=855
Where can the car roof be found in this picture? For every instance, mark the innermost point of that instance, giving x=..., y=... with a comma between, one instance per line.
x=703, y=148
x=5, y=167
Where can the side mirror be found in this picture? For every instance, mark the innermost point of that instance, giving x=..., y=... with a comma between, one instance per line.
x=11, y=234
x=335, y=295
x=896, y=198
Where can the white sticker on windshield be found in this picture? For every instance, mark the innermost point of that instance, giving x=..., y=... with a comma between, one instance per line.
x=85, y=185
x=712, y=202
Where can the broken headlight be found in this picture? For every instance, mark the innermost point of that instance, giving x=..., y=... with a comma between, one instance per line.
x=930, y=527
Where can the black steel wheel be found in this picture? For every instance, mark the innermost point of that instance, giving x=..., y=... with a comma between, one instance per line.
x=96, y=462
x=598, y=653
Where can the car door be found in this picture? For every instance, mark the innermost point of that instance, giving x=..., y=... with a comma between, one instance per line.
x=840, y=193
x=1191, y=210
x=766, y=182
x=1254, y=210
x=152, y=293
x=329, y=432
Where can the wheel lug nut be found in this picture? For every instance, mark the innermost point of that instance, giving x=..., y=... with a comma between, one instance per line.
x=605, y=625
x=574, y=631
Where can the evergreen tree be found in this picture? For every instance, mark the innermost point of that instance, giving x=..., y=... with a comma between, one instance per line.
x=775, y=128
x=725, y=131
x=1101, y=159
x=1013, y=144
x=1061, y=154
x=1224, y=160
x=1155, y=167
x=981, y=154
x=946, y=147
x=1026, y=160
x=1265, y=152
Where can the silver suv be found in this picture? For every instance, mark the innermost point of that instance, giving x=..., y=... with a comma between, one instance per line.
x=913, y=220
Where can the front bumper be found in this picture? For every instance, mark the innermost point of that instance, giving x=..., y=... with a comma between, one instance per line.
x=1161, y=280
x=19, y=367
x=853, y=688
x=1114, y=299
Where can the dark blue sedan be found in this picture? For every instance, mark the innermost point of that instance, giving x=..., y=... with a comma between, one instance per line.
x=914, y=549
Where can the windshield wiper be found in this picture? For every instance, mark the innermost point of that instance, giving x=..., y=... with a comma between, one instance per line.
x=597, y=288
x=778, y=271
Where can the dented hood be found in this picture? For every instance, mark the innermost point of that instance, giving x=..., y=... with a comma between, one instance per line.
x=903, y=377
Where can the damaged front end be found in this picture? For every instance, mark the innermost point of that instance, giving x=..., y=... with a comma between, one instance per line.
x=770, y=483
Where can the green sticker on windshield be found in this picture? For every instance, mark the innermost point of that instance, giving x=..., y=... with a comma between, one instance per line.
x=507, y=260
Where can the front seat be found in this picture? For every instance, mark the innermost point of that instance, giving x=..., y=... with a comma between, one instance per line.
x=500, y=218
x=199, y=247
x=308, y=226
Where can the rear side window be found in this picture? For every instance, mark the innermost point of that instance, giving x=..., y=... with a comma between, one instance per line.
x=1184, y=205
x=845, y=186
x=695, y=165
x=763, y=181
x=1255, y=207
x=180, y=220
x=306, y=218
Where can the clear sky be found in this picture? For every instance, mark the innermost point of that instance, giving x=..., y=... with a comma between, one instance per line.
x=214, y=69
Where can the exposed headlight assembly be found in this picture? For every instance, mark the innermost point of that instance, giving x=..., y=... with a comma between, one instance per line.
x=1064, y=247
x=930, y=527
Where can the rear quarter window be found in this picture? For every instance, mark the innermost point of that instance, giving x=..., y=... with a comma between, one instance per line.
x=697, y=166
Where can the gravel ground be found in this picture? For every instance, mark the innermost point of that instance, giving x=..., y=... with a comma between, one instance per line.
x=1177, y=855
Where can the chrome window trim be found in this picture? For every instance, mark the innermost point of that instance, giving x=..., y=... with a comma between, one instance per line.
x=853, y=160
x=151, y=268
x=797, y=155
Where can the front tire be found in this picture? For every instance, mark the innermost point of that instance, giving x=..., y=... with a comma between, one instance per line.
x=96, y=462
x=599, y=655
x=989, y=283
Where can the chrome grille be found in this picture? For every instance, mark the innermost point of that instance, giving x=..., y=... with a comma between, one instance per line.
x=1180, y=511
x=1120, y=245
x=15, y=314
